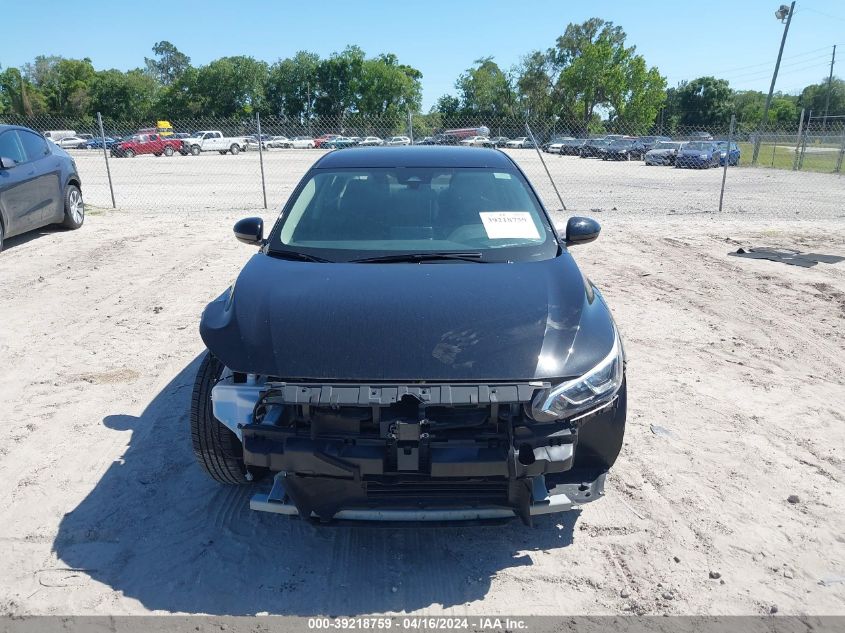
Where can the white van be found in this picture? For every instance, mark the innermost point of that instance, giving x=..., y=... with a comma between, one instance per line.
x=58, y=135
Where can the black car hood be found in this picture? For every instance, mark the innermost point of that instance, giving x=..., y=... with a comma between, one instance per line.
x=450, y=321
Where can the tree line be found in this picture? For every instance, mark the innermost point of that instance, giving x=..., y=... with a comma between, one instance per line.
x=590, y=79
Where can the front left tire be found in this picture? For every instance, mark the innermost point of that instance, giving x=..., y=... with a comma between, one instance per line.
x=74, y=208
x=218, y=450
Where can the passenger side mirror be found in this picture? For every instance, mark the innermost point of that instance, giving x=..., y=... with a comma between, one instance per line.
x=6, y=163
x=249, y=230
x=581, y=230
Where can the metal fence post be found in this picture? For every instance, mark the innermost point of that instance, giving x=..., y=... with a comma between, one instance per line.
x=798, y=141
x=410, y=127
x=106, y=156
x=841, y=153
x=727, y=160
x=804, y=142
x=261, y=157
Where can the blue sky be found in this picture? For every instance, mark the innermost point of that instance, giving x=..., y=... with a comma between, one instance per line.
x=737, y=39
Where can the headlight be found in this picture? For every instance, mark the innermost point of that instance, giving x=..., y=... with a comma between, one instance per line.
x=598, y=386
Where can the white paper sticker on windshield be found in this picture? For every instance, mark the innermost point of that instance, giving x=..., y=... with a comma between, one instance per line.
x=501, y=175
x=509, y=224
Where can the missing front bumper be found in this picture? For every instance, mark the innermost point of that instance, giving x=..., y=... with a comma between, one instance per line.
x=561, y=498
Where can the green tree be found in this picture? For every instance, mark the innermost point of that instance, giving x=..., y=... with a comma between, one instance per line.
x=292, y=85
x=702, y=102
x=486, y=90
x=592, y=68
x=65, y=83
x=230, y=86
x=534, y=85
x=339, y=82
x=814, y=97
x=167, y=64
x=124, y=96
x=388, y=88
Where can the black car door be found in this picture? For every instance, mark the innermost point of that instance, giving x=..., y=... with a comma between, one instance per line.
x=22, y=195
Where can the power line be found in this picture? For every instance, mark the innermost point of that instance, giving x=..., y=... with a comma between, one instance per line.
x=769, y=63
x=766, y=72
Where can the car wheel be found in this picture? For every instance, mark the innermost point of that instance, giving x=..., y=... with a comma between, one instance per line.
x=74, y=208
x=234, y=149
x=1, y=237
x=129, y=154
x=195, y=150
x=216, y=448
x=168, y=151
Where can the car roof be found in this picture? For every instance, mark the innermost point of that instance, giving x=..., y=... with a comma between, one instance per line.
x=415, y=156
x=4, y=127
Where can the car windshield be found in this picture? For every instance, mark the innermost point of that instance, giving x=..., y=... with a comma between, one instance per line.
x=665, y=145
x=699, y=145
x=349, y=214
x=620, y=144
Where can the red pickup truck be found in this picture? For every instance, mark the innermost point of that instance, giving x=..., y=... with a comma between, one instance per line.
x=148, y=144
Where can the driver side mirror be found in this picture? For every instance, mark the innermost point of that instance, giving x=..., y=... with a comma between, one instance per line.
x=581, y=230
x=6, y=162
x=249, y=230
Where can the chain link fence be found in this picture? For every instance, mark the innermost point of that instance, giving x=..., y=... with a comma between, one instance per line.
x=252, y=163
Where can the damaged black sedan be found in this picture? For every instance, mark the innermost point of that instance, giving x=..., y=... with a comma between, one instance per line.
x=412, y=342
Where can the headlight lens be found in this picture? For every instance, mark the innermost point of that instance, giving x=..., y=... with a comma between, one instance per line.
x=595, y=388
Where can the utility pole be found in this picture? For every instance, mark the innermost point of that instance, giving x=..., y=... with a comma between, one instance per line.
x=783, y=12
x=829, y=82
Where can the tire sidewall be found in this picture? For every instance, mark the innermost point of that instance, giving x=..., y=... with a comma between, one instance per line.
x=69, y=220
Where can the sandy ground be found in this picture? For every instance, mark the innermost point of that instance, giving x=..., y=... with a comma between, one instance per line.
x=736, y=402
x=211, y=181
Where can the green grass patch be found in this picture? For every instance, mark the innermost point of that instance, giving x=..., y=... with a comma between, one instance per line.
x=820, y=159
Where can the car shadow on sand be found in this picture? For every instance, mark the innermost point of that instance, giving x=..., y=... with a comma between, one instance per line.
x=155, y=529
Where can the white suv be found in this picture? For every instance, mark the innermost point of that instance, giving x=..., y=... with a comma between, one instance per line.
x=398, y=140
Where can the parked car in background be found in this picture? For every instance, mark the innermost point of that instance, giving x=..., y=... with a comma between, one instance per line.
x=214, y=141
x=663, y=153
x=477, y=141
x=397, y=140
x=554, y=146
x=499, y=141
x=340, y=142
x=555, y=142
x=371, y=141
x=520, y=142
x=700, y=136
x=71, y=142
x=426, y=140
x=39, y=184
x=302, y=142
x=447, y=139
x=148, y=144
x=252, y=141
x=571, y=147
x=324, y=138
x=278, y=142
x=97, y=143
x=622, y=149
x=701, y=154
x=592, y=147
x=649, y=142
x=56, y=135
x=735, y=153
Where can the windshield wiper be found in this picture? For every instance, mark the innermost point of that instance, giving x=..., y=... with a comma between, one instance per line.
x=297, y=255
x=422, y=257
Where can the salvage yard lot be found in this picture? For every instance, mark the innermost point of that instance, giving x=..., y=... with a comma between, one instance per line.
x=212, y=181
x=735, y=403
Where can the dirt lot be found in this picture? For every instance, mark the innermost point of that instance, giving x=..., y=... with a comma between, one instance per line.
x=211, y=181
x=736, y=402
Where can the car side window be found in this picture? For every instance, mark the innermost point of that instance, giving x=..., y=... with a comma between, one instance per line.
x=34, y=146
x=10, y=147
